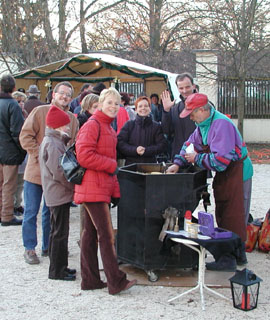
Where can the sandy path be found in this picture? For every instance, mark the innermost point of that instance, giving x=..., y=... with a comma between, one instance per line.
x=26, y=292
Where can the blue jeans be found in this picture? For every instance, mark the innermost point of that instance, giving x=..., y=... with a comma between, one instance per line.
x=32, y=199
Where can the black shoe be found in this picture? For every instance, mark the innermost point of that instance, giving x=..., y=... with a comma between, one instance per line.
x=71, y=271
x=67, y=277
x=45, y=253
x=17, y=213
x=242, y=257
x=74, y=205
x=13, y=222
x=19, y=209
x=241, y=262
x=225, y=263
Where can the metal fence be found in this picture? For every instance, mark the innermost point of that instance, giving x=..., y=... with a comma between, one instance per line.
x=257, y=97
x=134, y=89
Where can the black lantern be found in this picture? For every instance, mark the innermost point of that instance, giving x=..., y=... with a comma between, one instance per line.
x=245, y=289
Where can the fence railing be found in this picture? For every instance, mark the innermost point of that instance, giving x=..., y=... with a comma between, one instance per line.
x=134, y=89
x=257, y=97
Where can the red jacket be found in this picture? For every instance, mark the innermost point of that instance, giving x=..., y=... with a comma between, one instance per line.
x=122, y=118
x=96, y=151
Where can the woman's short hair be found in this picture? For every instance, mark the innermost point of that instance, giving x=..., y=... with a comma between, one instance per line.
x=88, y=101
x=125, y=97
x=107, y=92
x=18, y=94
x=83, y=94
x=154, y=95
x=140, y=99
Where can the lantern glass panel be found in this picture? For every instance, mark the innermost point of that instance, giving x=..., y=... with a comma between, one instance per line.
x=245, y=297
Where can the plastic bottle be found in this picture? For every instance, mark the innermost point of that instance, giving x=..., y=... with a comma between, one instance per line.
x=187, y=220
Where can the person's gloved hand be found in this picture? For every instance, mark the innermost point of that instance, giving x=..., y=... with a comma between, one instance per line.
x=114, y=202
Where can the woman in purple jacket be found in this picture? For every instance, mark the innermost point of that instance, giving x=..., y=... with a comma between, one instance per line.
x=142, y=139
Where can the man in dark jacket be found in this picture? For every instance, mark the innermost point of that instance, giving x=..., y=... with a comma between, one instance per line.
x=172, y=125
x=33, y=99
x=11, y=153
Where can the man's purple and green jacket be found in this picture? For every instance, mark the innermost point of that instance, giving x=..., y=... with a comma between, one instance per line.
x=224, y=141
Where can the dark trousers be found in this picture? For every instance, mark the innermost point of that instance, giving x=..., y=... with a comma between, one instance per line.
x=98, y=230
x=58, y=242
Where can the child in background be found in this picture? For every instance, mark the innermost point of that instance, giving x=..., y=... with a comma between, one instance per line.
x=58, y=192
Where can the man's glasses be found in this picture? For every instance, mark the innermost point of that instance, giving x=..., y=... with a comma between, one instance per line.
x=68, y=95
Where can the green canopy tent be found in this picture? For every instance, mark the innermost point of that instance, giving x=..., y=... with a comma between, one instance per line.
x=94, y=68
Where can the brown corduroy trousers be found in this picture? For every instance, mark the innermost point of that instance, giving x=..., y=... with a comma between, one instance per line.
x=98, y=231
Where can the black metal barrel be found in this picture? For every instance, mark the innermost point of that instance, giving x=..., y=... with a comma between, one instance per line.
x=144, y=197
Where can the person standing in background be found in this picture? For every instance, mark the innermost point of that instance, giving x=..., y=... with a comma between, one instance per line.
x=89, y=105
x=176, y=128
x=156, y=108
x=18, y=206
x=11, y=152
x=31, y=137
x=125, y=99
x=21, y=97
x=76, y=101
x=33, y=98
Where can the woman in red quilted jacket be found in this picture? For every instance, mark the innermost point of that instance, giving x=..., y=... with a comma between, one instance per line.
x=96, y=151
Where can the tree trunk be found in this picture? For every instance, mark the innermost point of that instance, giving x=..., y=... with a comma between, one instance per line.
x=62, y=29
x=82, y=28
x=241, y=105
x=50, y=41
x=155, y=7
x=29, y=35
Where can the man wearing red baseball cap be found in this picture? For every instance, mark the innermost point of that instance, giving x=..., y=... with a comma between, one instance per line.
x=193, y=102
x=219, y=147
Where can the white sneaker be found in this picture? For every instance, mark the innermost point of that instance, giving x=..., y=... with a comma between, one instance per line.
x=31, y=257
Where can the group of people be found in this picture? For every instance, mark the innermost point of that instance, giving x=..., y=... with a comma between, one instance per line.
x=44, y=134
x=101, y=131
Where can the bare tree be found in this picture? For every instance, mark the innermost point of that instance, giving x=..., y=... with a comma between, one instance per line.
x=18, y=36
x=149, y=31
x=42, y=31
x=240, y=30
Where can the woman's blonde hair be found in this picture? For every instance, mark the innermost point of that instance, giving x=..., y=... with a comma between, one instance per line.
x=107, y=92
x=88, y=101
x=18, y=94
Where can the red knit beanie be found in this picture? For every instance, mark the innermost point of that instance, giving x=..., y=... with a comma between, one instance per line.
x=56, y=118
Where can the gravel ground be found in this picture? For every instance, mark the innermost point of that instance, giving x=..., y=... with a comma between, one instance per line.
x=27, y=293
